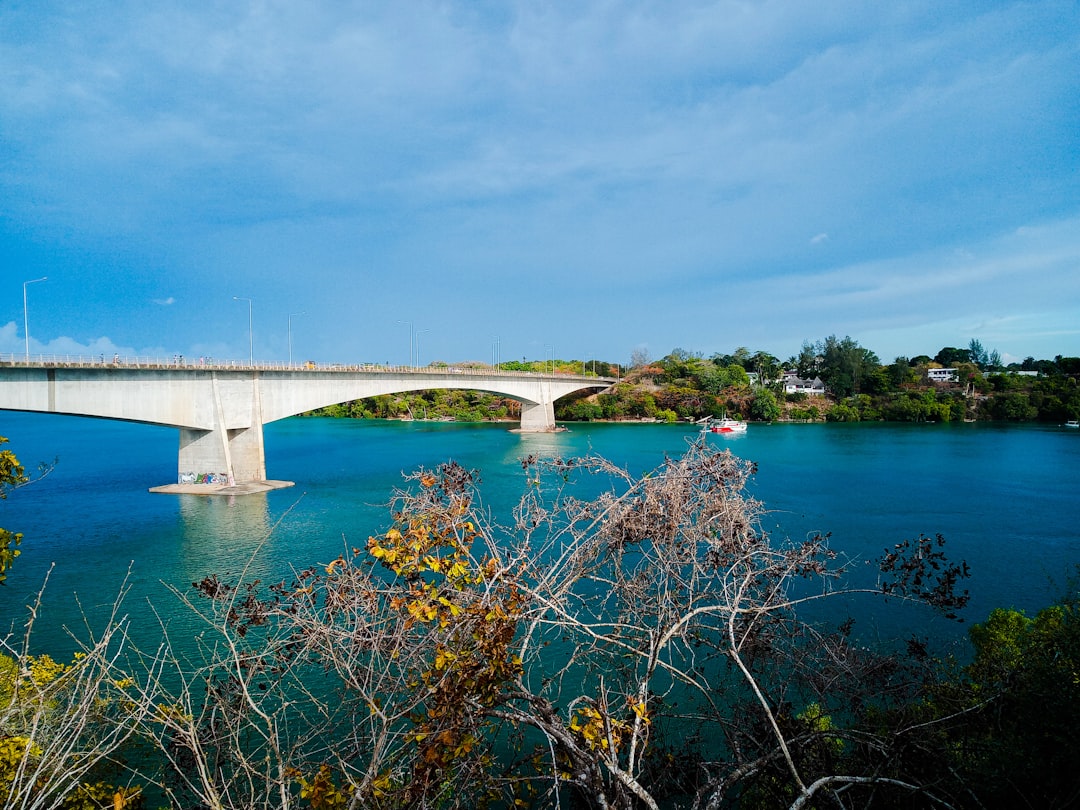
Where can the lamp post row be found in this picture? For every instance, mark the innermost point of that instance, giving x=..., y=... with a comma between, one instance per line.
x=414, y=335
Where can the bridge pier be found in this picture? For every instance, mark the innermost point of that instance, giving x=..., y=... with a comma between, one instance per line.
x=238, y=453
x=537, y=417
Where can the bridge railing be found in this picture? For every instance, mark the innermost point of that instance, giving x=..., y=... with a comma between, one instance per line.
x=210, y=363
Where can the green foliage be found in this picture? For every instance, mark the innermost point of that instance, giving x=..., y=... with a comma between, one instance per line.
x=842, y=412
x=579, y=410
x=764, y=406
x=103, y=796
x=12, y=474
x=693, y=387
x=1012, y=407
x=922, y=406
x=949, y=356
x=1020, y=743
x=846, y=368
x=33, y=690
x=9, y=542
x=455, y=405
x=900, y=374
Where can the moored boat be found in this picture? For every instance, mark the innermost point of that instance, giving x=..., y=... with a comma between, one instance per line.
x=724, y=425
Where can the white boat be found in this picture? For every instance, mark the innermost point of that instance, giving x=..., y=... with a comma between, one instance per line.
x=1073, y=423
x=724, y=425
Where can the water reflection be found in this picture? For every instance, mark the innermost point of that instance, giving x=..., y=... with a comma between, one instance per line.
x=541, y=445
x=223, y=534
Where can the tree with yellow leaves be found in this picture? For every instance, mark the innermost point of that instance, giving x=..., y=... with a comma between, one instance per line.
x=618, y=641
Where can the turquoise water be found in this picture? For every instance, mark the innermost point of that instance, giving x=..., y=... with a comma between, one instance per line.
x=1005, y=497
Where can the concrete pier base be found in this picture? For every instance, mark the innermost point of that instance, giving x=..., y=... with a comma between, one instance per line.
x=246, y=488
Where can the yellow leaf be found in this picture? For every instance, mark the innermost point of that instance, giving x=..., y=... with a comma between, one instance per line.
x=330, y=568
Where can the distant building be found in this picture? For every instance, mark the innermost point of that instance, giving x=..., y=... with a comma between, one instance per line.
x=793, y=384
x=941, y=374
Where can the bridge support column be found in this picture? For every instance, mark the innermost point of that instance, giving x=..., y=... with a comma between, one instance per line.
x=537, y=417
x=238, y=453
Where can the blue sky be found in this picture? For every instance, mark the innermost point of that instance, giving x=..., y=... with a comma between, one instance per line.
x=580, y=179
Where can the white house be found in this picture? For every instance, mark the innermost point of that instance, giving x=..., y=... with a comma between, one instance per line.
x=793, y=384
x=941, y=374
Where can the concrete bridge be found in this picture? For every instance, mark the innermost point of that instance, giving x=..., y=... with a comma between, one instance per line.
x=220, y=409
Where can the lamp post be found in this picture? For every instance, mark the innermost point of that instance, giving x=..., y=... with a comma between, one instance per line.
x=410, y=325
x=551, y=349
x=291, y=314
x=495, y=347
x=251, y=337
x=26, y=319
x=419, y=332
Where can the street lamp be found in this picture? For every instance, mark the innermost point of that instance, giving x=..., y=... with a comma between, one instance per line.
x=495, y=347
x=419, y=332
x=251, y=337
x=551, y=348
x=410, y=325
x=26, y=320
x=291, y=314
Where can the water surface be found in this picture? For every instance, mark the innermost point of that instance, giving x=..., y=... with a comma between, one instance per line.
x=1003, y=496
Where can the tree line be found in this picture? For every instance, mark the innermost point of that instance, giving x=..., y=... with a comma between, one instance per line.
x=857, y=387
x=687, y=385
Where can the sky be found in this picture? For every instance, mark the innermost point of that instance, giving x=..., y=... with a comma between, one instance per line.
x=456, y=181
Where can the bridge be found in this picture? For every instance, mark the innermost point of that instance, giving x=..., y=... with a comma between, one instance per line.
x=220, y=408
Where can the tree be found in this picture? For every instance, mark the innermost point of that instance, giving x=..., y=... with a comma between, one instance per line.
x=63, y=724
x=1010, y=749
x=12, y=474
x=639, y=357
x=765, y=407
x=979, y=356
x=901, y=374
x=949, y=356
x=765, y=365
x=60, y=724
x=619, y=642
x=809, y=363
x=845, y=365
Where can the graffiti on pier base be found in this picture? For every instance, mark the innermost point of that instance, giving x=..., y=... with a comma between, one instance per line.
x=205, y=478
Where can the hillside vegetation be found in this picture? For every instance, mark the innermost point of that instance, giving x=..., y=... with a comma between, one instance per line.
x=857, y=387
